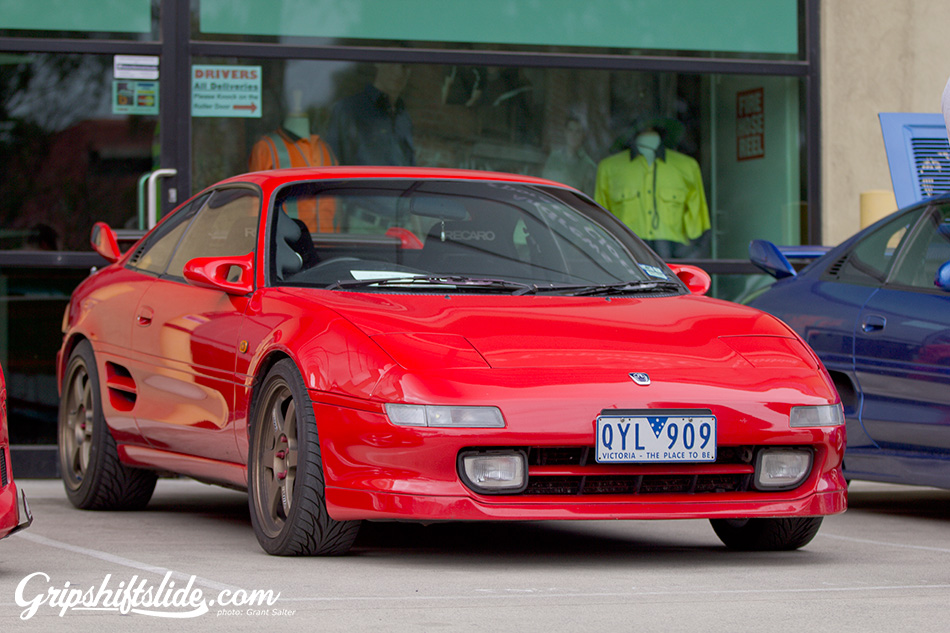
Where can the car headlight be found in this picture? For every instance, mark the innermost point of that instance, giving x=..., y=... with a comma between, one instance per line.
x=825, y=415
x=781, y=468
x=444, y=416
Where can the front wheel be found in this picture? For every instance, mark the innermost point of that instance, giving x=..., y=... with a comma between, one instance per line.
x=285, y=472
x=766, y=534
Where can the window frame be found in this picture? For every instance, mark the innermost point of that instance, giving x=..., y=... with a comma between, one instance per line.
x=936, y=211
x=217, y=192
x=165, y=229
x=852, y=273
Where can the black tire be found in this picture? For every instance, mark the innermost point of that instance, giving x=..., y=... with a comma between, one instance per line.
x=761, y=535
x=285, y=472
x=92, y=474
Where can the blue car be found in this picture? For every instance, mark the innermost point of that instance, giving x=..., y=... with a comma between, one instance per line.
x=876, y=310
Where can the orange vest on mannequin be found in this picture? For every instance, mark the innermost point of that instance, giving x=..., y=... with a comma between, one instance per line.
x=283, y=148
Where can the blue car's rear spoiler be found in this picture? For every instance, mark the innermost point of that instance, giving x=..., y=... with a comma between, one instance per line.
x=775, y=259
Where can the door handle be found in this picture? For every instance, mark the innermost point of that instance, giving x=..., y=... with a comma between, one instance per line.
x=144, y=317
x=873, y=323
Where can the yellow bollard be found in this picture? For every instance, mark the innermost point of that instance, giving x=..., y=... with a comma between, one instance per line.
x=876, y=204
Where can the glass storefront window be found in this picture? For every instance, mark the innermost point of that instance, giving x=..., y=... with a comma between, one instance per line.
x=73, y=143
x=694, y=198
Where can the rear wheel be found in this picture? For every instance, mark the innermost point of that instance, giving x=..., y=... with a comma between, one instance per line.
x=766, y=534
x=285, y=479
x=94, y=477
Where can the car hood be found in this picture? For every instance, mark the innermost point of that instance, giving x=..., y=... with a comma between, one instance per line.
x=506, y=332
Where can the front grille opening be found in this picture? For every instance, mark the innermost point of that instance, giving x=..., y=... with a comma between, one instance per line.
x=667, y=484
x=637, y=484
x=723, y=483
x=578, y=459
x=558, y=456
x=553, y=486
x=584, y=455
x=612, y=485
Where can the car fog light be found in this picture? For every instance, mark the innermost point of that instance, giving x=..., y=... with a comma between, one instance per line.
x=781, y=468
x=825, y=415
x=493, y=473
x=442, y=416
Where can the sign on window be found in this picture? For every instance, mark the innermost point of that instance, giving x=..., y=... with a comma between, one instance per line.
x=226, y=91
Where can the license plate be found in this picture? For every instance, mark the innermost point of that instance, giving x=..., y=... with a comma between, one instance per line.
x=656, y=436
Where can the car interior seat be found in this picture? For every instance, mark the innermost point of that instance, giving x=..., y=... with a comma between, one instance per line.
x=483, y=243
x=294, y=249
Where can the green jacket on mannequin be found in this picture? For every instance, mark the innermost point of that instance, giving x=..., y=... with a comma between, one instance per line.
x=664, y=200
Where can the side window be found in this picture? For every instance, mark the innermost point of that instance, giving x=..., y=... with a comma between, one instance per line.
x=152, y=256
x=227, y=226
x=872, y=258
x=928, y=251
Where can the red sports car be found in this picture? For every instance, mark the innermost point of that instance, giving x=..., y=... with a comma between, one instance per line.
x=421, y=344
x=14, y=511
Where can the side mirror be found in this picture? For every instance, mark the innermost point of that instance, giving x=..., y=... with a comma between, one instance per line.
x=233, y=275
x=769, y=258
x=942, y=278
x=696, y=279
x=104, y=242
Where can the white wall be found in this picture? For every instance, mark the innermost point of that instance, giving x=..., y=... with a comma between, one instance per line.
x=876, y=56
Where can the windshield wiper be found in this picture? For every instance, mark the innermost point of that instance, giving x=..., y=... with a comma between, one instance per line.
x=456, y=281
x=624, y=287
x=515, y=287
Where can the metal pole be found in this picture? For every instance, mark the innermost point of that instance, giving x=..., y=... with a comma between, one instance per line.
x=152, y=191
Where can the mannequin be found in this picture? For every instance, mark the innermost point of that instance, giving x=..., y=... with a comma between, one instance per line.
x=656, y=191
x=298, y=123
x=294, y=146
x=648, y=142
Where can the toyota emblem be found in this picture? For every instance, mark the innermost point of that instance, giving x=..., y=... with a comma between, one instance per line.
x=640, y=378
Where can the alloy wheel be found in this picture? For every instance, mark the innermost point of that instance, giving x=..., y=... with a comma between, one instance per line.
x=277, y=457
x=77, y=427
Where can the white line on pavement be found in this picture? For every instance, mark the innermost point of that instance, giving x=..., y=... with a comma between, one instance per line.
x=884, y=543
x=491, y=593
x=125, y=562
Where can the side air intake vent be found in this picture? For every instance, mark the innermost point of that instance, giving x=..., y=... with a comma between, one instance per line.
x=836, y=266
x=137, y=254
x=121, y=387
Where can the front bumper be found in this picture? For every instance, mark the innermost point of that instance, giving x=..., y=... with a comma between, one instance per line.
x=362, y=504
x=375, y=470
x=19, y=516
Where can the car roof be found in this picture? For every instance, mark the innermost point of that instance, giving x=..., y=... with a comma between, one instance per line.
x=277, y=177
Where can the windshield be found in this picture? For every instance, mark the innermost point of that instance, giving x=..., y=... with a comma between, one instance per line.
x=466, y=236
